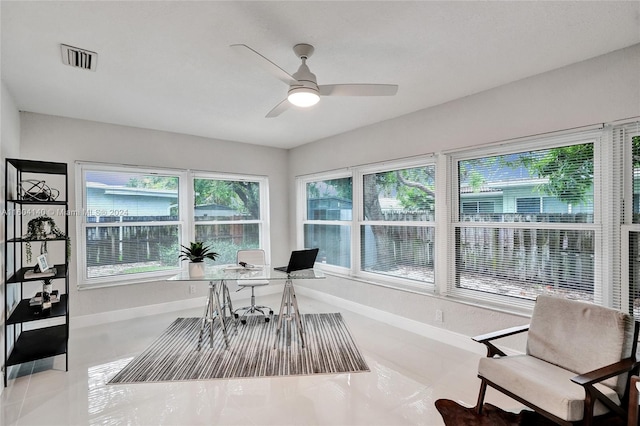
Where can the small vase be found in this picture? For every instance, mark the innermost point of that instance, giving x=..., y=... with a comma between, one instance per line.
x=46, y=297
x=196, y=269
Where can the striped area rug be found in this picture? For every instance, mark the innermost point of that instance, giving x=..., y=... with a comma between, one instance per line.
x=173, y=356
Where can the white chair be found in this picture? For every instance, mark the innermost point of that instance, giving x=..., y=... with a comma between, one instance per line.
x=257, y=258
x=577, y=364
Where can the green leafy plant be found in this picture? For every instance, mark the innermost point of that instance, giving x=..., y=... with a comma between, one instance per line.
x=197, y=252
x=43, y=228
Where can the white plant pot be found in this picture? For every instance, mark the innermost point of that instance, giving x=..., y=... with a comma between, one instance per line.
x=196, y=269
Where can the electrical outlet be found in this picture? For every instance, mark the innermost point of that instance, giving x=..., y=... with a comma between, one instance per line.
x=192, y=289
x=439, y=317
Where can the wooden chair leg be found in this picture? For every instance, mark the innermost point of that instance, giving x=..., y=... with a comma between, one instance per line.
x=633, y=402
x=481, y=394
x=589, y=402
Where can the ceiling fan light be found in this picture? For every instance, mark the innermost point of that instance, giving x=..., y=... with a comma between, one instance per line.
x=303, y=97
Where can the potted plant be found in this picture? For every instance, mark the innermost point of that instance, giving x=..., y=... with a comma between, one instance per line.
x=43, y=228
x=196, y=253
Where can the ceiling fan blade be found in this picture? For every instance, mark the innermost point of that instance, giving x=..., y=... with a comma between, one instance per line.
x=279, y=109
x=265, y=63
x=358, y=89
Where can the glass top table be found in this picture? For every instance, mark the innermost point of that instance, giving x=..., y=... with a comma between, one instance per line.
x=266, y=272
x=219, y=299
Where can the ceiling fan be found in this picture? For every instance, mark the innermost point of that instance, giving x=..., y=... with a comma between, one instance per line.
x=304, y=90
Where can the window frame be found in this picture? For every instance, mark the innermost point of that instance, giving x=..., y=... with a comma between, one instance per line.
x=263, y=222
x=628, y=227
x=186, y=220
x=84, y=282
x=356, y=174
x=302, y=215
x=454, y=221
x=388, y=166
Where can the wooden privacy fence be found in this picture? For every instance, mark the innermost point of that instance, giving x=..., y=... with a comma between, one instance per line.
x=111, y=245
x=561, y=258
x=129, y=244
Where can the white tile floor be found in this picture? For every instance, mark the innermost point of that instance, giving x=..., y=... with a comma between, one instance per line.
x=408, y=374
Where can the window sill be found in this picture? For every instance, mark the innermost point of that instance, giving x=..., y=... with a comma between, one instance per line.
x=426, y=288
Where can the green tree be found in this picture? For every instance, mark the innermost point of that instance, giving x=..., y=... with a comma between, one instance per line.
x=154, y=182
x=414, y=188
x=568, y=171
x=242, y=196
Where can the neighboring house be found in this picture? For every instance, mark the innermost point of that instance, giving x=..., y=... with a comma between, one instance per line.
x=143, y=213
x=216, y=212
x=121, y=201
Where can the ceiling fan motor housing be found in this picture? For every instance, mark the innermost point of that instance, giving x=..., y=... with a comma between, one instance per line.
x=304, y=92
x=305, y=77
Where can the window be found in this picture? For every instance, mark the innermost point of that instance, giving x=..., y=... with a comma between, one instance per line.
x=397, y=234
x=541, y=236
x=131, y=223
x=557, y=214
x=393, y=236
x=470, y=207
x=629, y=137
x=528, y=205
x=133, y=220
x=328, y=212
x=229, y=213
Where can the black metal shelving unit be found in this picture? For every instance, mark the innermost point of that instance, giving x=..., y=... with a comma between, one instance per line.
x=30, y=334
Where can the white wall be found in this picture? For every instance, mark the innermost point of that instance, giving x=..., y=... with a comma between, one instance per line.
x=599, y=90
x=67, y=140
x=9, y=146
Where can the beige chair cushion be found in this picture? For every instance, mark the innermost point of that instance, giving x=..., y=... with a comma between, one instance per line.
x=545, y=385
x=580, y=337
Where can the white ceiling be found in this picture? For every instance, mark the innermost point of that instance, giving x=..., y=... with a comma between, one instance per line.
x=168, y=65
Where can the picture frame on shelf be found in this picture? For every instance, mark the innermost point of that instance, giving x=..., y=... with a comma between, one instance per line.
x=42, y=263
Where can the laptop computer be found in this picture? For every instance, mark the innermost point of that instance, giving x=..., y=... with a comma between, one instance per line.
x=300, y=259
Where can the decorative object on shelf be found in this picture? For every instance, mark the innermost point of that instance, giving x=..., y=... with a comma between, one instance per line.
x=37, y=190
x=36, y=300
x=42, y=269
x=46, y=295
x=43, y=265
x=43, y=228
x=196, y=253
x=43, y=300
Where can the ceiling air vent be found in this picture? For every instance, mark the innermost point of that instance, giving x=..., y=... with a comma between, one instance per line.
x=79, y=58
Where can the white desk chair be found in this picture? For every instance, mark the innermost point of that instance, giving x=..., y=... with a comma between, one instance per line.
x=257, y=258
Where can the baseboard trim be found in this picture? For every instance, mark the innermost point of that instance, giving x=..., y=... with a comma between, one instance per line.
x=445, y=336
x=133, y=313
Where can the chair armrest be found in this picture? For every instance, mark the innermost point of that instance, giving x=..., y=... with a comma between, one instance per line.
x=588, y=380
x=623, y=366
x=487, y=338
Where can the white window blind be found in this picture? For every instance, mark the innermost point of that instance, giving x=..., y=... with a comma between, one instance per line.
x=543, y=232
x=229, y=214
x=131, y=223
x=328, y=212
x=627, y=137
x=397, y=233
